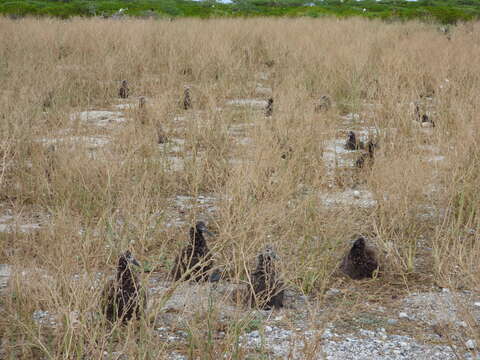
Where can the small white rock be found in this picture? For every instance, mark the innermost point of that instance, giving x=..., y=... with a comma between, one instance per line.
x=403, y=315
x=254, y=334
x=327, y=334
x=477, y=304
x=268, y=328
x=332, y=291
x=471, y=344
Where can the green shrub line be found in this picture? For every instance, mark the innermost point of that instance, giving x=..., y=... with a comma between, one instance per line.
x=443, y=11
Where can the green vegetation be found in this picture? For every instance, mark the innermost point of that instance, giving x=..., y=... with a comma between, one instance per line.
x=444, y=11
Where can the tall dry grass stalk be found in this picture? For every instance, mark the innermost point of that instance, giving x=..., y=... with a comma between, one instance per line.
x=96, y=203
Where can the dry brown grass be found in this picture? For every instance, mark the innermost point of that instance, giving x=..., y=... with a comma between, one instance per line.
x=95, y=206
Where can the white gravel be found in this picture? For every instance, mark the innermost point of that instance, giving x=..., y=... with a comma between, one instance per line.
x=254, y=103
x=9, y=223
x=380, y=345
x=364, y=345
x=88, y=141
x=439, y=307
x=349, y=197
x=99, y=117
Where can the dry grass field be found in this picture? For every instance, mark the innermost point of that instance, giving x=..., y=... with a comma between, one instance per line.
x=83, y=178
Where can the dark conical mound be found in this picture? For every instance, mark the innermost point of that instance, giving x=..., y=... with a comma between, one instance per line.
x=123, y=92
x=427, y=120
x=360, y=262
x=323, y=104
x=195, y=260
x=123, y=297
x=285, y=148
x=269, y=107
x=161, y=136
x=353, y=143
x=366, y=158
x=267, y=290
x=422, y=118
x=187, y=71
x=187, y=99
x=287, y=153
x=270, y=63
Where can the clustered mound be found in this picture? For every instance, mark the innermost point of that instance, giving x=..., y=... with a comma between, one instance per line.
x=365, y=158
x=269, y=107
x=123, y=92
x=195, y=260
x=268, y=290
x=353, y=143
x=360, y=262
x=187, y=99
x=296, y=141
x=123, y=298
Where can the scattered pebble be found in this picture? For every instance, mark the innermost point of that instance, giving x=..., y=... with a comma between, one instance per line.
x=254, y=103
x=471, y=344
x=403, y=315
x=44, y=318
x=5, y=273
x=437, y=307
x=177, y=356
x=363, y=199
x=262, y=90
x=99, y=117
x=254, y=334
x=435, y=158
x=125, y=106
x=9, y=223
x=379, y=345
x=332, y=291
x=327, y=334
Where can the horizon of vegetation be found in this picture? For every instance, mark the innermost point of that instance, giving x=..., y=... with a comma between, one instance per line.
x=443, y=11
